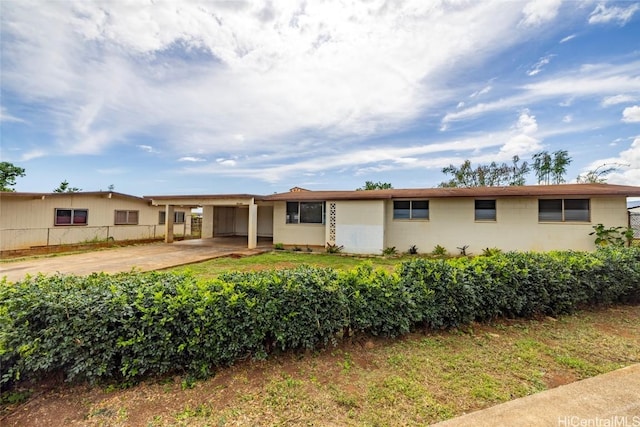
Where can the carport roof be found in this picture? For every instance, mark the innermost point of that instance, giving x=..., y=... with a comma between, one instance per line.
x=200, y=199
x=207, y=196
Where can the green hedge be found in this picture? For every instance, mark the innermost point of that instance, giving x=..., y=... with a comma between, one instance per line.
x=127, y=325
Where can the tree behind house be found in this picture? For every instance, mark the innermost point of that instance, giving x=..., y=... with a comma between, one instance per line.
x=64, y=188
x=491, y=175
x=370, y=185
x=8, y=174
x=599, y=174
x=551, y=168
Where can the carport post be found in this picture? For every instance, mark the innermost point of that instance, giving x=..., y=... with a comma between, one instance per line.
x=168, y=224
x=253, y=225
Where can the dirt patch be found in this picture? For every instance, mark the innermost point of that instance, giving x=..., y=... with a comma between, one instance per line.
x=557, y=378
x=54, y=404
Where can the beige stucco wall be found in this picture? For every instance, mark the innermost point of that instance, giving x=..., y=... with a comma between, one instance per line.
x=242, y=221
x=265, y=221
x=207, y=222
x=295, y=234
x=360, y=226
x=224, y=221
x=451, y=224
x=368, y=226
x=27, y=222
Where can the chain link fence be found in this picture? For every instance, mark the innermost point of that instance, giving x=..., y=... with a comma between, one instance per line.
x=634, y=222
x=196, y=227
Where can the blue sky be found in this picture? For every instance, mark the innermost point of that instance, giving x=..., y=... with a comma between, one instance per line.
x=261, y=96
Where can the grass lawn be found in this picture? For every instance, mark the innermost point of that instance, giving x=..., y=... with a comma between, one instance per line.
x=285, y=259
x=419, y=379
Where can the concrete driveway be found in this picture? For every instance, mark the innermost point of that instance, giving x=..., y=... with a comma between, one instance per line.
x=148, y=257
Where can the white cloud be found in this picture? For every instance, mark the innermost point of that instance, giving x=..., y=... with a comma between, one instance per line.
x=566, y=103
x=587, y=81
x=482, y=91
x=211, y=74
x=147, y=148
x=566, y=39
x=518, y=145
x=538, y=66
x=593, y=79
x=617, y=99
x=629, y=174
x=257, y=79
x=521, y=139
x=6, y=117
x=226, y=162
x=33, y=154
x=567, y=119
x=527, y=123
x=603, y=14
x=631, y=114
x=537, y=12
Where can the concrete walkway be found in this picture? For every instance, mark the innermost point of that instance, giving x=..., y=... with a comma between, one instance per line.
x=147, y=257
x=611, y=399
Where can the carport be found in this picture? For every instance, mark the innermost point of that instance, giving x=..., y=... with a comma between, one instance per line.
x=237, y=215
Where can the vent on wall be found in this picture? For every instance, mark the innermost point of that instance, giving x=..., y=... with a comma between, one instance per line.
x=332, y=223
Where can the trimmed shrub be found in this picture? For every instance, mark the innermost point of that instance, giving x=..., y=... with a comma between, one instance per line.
x=124, y=326
x=378, y=302
x=445, y=297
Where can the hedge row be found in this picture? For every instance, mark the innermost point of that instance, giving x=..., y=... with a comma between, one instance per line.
x=127, y=325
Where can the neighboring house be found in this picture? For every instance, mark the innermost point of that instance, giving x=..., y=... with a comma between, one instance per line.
x=45, y=219
x=529, y=218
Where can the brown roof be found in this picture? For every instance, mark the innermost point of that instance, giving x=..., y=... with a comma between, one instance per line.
x=562, y=190
x=206, y=196
x=105, y=194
